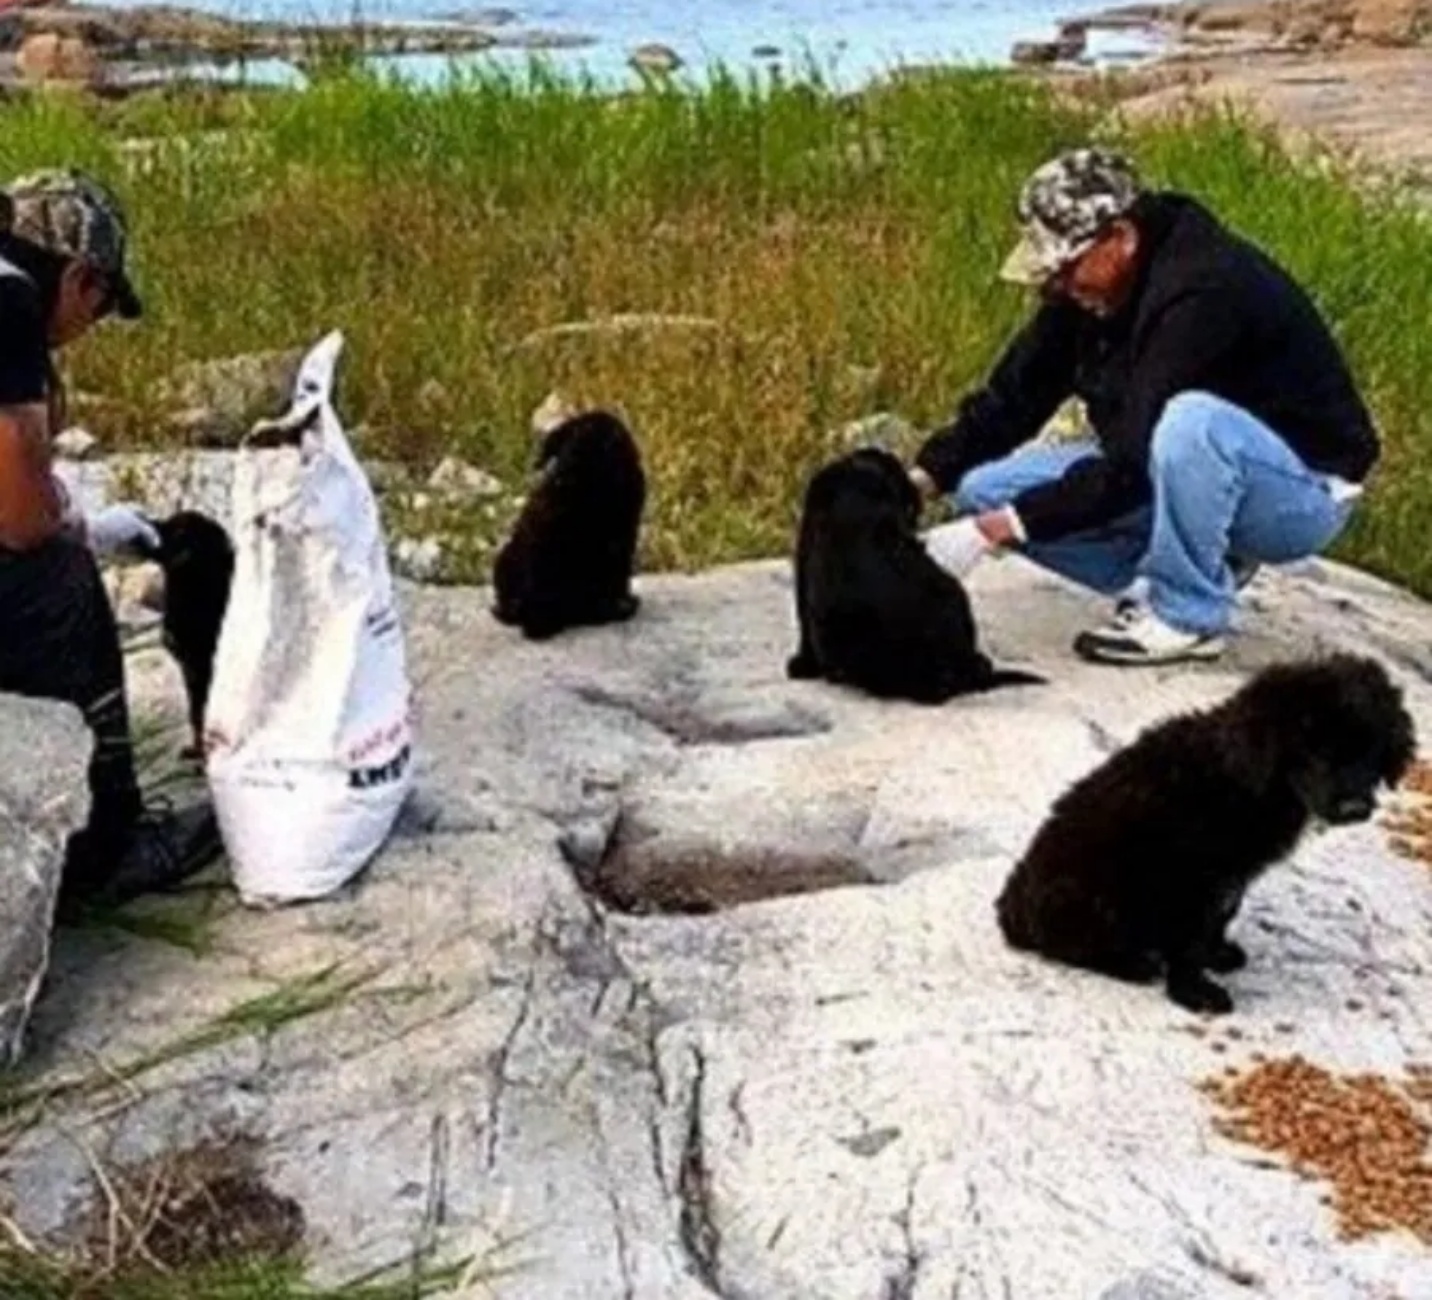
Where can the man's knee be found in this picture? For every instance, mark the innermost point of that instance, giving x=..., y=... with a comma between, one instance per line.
x=986, y=487
x=1189, y=429
x=63, y=641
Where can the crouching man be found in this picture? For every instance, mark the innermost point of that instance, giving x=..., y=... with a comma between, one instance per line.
x=62, y=271
x=1228, y=430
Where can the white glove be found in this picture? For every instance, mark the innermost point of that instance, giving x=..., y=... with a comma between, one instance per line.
x=118, y=528
x=957, y=547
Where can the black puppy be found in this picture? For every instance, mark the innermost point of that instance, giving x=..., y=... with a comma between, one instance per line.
x=197, y=558
x=570, y=557
x=1142, y=863
x=875, y=611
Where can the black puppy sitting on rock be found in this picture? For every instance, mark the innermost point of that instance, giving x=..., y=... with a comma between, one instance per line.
x=1141, y=864
x=875, y=611
x=197, y=559
x=569, y=559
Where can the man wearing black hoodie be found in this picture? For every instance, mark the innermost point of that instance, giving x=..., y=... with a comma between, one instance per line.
x=1228, y=429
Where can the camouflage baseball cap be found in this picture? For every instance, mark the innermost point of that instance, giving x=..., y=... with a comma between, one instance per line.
x=70, y=213
x=1064, y=206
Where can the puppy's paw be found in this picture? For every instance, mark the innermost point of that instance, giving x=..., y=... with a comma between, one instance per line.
x=1195, y=992
x=802, y=666
x=1225, y=957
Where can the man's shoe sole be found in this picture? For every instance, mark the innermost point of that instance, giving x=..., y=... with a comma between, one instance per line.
x=1101, y=652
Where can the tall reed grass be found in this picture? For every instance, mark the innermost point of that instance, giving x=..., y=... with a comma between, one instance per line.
x=844, y=246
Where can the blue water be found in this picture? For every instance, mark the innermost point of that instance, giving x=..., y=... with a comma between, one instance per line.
x=850, y=41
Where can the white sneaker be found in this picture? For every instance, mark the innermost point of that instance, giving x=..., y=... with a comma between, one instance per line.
x=1136, y=635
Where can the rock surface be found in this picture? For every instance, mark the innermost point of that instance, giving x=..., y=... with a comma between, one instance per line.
x=839, y=1085
x=44, y=751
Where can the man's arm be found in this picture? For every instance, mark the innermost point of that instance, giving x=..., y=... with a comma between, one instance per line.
x=1034, y=375
x=34, y=507
x=1191, y=335
x=32, y=504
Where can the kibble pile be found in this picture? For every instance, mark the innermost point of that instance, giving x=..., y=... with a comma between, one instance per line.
x=1409, y=827
x=1365, y=1135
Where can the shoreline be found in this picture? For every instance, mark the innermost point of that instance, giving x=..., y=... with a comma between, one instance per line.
x=1355, y=76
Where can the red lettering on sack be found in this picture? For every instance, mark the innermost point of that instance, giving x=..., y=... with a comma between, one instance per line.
x=384, y=737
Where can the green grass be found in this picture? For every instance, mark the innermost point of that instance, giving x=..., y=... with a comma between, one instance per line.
x=27, y=1277
x=22, y=1103
x=845, y=245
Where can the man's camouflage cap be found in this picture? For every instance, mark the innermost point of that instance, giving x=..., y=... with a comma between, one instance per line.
x=1063, y=208
x=70, y=213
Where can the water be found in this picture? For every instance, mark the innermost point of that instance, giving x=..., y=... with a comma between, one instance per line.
x=848, y=40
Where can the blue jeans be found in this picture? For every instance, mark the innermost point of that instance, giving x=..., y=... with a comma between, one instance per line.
x=1223, y=484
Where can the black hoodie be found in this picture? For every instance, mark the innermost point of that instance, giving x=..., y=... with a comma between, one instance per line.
x=1208, y=312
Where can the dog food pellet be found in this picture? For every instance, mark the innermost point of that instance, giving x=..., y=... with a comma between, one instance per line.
x=1409, y=827
x=1352, y=1004
x=1284, y=1027
x=1364, y=1134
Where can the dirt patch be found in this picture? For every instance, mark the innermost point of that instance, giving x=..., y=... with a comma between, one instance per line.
x=186, y=1211
x=644, y=873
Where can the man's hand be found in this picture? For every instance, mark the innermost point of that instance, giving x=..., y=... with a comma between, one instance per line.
x=1000, y=527
x=924, y=484
x=119, y=528
x=959, y=546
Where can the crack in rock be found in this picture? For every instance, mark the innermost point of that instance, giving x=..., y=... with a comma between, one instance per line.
x=623, y=1247
x=700, y=1237
x=492, y=1127
x=900, y=1285
x=684, y=724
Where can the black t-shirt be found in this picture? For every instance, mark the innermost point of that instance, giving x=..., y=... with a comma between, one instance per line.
x=24, y=349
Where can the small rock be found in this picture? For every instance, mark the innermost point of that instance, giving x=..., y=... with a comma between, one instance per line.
x=387, y=476
x=432, y=395
x=218, y=401
x=12, y=32
x=883, y=429
x=864, y=379
x=44, y=750
x=136, y=593
x=1026, y=53
x=1069, y=423
x=417, y=560
x=50, y=57
x=76, y=444
x=660, y=60
x=456, y=477
x=1390, y=22
x=553, y=410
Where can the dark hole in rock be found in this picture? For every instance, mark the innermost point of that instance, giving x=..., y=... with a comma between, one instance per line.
x=689, y=726
x=189, y=1210
x=643, y=873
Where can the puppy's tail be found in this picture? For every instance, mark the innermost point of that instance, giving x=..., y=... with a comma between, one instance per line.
x=998, y=677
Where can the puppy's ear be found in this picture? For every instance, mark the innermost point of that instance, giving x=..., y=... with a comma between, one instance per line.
x=1400, y=747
